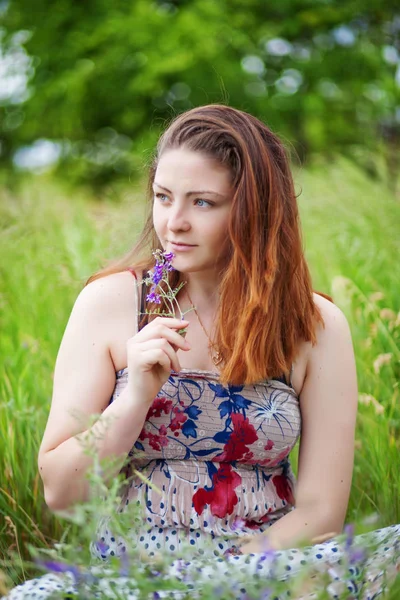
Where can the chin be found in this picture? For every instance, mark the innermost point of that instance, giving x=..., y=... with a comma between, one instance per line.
x=195, y=268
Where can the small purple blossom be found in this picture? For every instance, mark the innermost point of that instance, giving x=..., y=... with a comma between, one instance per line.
x=59, y=567
x=357, y=555
x=155, y=573
x=102, y=547
x=238, y=524
x=124, y=562
x=180, y=565
x=354, y=554
x=158, y=273
x=349, y=531
x=152, y=297
x=267, y=554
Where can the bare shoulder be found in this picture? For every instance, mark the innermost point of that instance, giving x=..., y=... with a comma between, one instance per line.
x=330, y=337
x=335, y=322
x=334, y=341
x=112, y=303
x=111, y=292
x=106, y=309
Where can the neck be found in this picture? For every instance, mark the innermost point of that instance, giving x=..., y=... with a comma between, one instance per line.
x=203, y=291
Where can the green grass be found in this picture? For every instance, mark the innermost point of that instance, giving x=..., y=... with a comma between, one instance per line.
x=351, y=231
x=51, y=241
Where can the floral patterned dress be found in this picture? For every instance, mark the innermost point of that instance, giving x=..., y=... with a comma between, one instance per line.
x=220, y=456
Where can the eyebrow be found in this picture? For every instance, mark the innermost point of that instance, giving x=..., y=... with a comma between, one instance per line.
x=189, y=193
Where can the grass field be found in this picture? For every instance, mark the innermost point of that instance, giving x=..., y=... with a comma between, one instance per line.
x=51, y=241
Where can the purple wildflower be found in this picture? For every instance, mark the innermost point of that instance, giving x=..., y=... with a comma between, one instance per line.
x=102, y=547
x=238, y=524
x=157, y=274
x=267, y=554
x=124, y=562
x=155, y=573
x=180, y=565
x=153, y=297
x=349, y=531
x=59, y=567
x=357, y=555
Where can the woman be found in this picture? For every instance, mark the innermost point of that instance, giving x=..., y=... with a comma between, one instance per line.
x=210, y=417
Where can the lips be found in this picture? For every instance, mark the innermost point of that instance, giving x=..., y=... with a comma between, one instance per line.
x=181, y=244
x=180, y=248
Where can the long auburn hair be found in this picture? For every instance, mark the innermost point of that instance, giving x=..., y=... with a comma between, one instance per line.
x=266, y=303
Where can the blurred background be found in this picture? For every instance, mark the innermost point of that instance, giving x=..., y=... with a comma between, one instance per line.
x=86, y=87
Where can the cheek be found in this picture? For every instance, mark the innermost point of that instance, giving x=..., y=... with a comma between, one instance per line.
x=218, y=230
x=156, y=219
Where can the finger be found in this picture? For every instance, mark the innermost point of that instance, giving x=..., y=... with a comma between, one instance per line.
x=156, y=356
x=165, y=346
x=162, y=332
x=170, y=322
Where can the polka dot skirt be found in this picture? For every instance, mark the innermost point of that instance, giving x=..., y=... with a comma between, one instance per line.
x=225, y=567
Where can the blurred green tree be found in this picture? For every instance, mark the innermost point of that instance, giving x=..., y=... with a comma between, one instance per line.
x=103, y=78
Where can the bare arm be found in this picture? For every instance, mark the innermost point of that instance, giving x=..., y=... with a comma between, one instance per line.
x=85, y=379
x=328, y=407
x=64, y=468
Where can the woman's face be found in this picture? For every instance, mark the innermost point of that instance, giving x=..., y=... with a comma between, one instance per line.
x=192, y=203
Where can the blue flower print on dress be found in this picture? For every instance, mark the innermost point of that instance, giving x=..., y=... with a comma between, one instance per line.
x=235, y=403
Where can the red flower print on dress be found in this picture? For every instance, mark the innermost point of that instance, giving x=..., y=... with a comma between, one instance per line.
x=271, y=462
x=178, y=420
x=269, y=445
x=156, y=441
x=255, y=523
x=279, y=457
x=221, y=497
x=236, y=447
x=160, y=405
x=283, y=488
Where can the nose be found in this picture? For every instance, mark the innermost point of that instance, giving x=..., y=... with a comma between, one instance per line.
x=178, y=218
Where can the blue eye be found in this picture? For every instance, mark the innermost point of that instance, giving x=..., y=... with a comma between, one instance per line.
x=161, y=196
x=201, y=200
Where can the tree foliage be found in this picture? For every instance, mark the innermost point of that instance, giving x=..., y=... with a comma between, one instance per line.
x=104, y=77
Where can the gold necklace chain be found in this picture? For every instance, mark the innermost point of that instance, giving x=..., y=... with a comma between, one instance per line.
x=216, y=356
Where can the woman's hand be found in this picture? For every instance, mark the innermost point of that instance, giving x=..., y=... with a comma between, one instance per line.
x=152, y=354
x=254, y=544
x=261, y=543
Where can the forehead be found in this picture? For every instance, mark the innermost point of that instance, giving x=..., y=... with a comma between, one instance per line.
x=181, y=168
